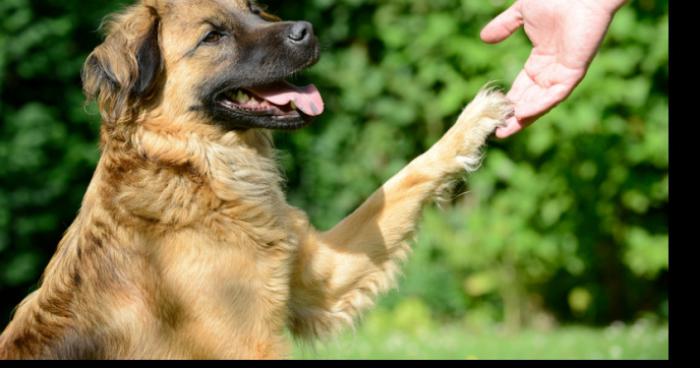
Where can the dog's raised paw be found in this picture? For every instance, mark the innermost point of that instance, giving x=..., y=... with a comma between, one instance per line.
x=487, y=111
x=479, y=119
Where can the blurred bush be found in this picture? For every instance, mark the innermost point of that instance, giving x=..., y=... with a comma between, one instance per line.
x=567, y=218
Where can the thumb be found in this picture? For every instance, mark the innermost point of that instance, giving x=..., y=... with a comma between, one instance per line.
x=503, y=25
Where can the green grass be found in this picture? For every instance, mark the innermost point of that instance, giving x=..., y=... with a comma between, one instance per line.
x=639, y=341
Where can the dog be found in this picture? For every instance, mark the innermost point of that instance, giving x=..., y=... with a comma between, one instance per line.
x=184, y=246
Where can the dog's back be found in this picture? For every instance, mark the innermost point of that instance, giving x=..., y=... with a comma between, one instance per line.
x=43, y=324
x=54, y=321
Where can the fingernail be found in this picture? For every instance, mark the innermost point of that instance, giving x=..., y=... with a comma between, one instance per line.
x=502, y=133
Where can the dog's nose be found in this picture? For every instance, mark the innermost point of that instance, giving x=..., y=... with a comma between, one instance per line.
x=300, y=32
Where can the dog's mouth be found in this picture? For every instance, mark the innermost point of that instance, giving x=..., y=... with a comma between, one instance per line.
x=281, y=104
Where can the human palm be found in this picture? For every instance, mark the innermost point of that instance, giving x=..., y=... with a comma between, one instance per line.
x=565, y=35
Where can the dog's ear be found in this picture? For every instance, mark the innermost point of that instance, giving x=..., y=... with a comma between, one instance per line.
x=122, y=72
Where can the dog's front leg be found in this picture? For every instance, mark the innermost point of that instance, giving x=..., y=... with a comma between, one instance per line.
x=338, y=273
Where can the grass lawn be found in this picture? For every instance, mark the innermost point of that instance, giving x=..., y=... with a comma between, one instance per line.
x=638, y=341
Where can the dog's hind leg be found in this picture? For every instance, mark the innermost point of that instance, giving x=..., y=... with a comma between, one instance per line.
x=338, y=273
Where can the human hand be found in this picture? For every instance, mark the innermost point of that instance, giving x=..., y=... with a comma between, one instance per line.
x=565, y=35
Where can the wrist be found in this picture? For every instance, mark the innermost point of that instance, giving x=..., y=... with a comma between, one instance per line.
x=609, y=7
x=614, y=5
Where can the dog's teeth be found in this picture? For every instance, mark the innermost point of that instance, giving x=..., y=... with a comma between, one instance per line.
x=293, y=105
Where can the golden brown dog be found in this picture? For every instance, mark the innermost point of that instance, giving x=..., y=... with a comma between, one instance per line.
x=184, y=246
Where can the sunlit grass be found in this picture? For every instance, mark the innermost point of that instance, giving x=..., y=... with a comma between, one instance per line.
x=639, y=341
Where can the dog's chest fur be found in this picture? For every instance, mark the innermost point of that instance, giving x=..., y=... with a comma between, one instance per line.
x=228, y=242
x=187, y=241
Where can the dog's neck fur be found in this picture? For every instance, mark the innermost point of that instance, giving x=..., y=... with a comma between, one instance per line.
x=175, y=181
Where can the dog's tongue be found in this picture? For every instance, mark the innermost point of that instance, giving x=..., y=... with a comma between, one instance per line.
x=307, y=99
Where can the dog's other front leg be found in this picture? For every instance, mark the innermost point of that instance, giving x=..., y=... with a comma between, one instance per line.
x=338, y=273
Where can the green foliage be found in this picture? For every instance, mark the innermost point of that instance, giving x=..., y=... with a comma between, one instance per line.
x=566, y=218
x=48, y=139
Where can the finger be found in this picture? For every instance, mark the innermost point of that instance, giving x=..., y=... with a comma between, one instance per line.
x=527, y=112
x=551, y=98
x=520, y=85
x=503, y=25
x=512, y=126
x=515, y=94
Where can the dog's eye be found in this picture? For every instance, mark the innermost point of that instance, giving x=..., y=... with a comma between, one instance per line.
x=255, y=8
x=261, y=11
x=213, y=37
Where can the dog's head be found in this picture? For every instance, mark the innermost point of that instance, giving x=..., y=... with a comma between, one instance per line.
x=220, y=62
